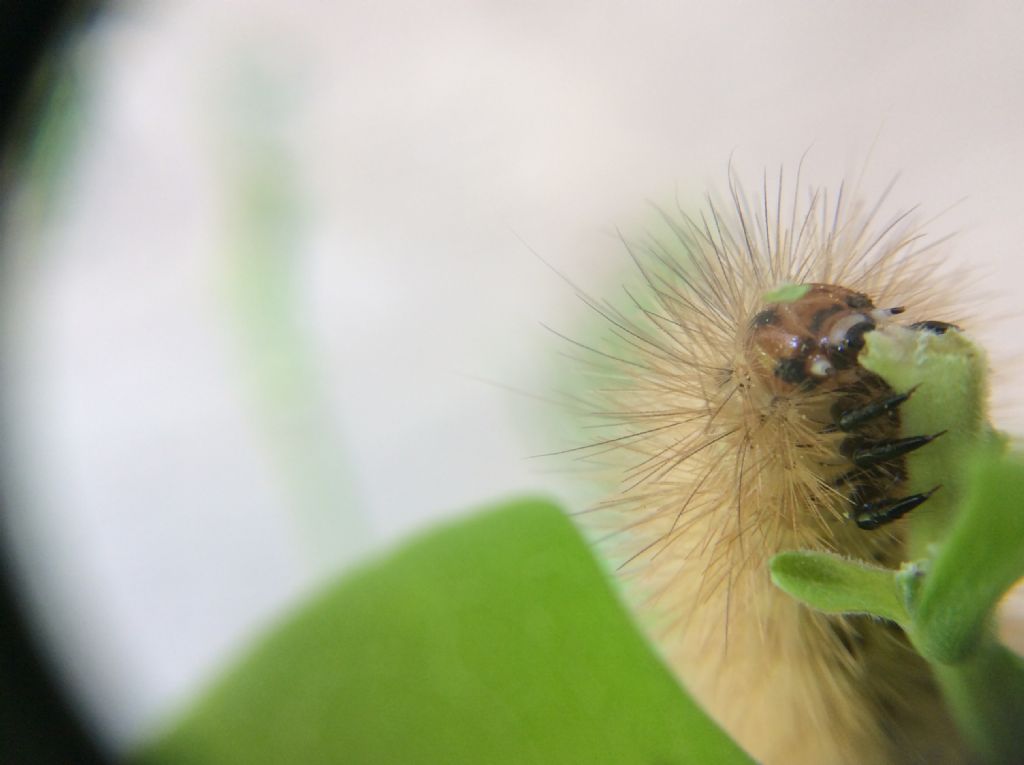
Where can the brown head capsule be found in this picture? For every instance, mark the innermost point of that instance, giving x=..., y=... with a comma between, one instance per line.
x=810, y=334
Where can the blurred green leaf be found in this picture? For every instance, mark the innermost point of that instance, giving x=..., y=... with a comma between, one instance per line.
x=495, y=640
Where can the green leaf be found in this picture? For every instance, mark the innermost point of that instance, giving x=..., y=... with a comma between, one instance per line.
x=836, y=585
x=969, y=537
x=967, y=542
x=495, y=640
x=948, y=375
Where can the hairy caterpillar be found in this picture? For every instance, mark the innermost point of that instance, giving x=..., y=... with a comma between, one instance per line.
x=742, y=425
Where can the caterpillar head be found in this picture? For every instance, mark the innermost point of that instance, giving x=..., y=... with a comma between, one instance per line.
x=808, y=336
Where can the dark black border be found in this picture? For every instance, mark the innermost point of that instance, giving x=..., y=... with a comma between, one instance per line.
x=37, y=725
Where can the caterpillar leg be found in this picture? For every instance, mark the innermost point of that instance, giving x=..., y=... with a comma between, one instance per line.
x=872, y=515
x=938, y=327
x=875, y=460
x=852, y=419
x=864, y=452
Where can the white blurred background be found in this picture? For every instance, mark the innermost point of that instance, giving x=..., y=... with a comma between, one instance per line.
x=270, y=288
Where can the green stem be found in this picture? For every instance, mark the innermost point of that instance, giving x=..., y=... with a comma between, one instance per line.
x=986, y=695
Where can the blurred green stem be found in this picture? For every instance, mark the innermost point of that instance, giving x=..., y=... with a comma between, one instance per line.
x=279, y=361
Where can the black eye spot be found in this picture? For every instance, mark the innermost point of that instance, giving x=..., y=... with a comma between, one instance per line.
x=857, y=300
x=765, y=318
x=854, y=339
x=938, y=327
x=791, y=371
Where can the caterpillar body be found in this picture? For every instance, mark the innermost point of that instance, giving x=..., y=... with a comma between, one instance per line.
x=744, y=426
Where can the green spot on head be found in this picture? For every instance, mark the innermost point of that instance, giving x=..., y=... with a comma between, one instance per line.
x=787, y=293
